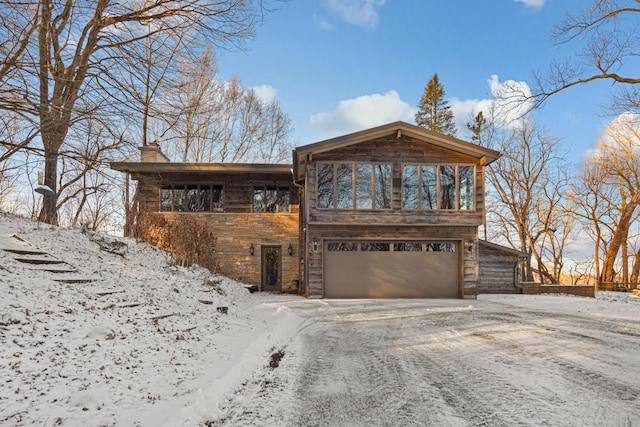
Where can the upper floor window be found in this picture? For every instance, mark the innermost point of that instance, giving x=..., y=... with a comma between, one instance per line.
x=191, y=198
x=271, y=198
x=354, y=186
x=438, y=187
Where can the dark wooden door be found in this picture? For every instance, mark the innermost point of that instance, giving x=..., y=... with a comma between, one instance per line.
x=271, y=268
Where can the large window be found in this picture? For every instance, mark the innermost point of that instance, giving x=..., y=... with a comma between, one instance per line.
x=354, y=186
x=271, y=198
x=438, y=187
x=191, y=198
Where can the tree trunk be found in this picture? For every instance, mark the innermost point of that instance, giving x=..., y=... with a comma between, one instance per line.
x=635, y=271
x=622, y=229
x=49, y=211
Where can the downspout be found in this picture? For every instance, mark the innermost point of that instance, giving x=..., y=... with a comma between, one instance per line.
x=302, y=228
x=516, y=282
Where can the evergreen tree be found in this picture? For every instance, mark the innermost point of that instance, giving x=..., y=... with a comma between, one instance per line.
x=434, y=112
x=476, y=127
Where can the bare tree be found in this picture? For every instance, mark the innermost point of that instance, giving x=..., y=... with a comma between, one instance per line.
x=57, y=55
x=192, y=104
x=224, y=122
x=608, y=195
x=608, y=43
x=529, y=183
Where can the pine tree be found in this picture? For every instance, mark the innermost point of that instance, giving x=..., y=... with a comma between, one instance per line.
x=434, y=112
x=476, y=127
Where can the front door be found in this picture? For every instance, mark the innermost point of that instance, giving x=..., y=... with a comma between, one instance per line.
x=271, y=265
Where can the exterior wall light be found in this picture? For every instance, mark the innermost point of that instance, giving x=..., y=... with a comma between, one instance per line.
x=290, y=249
x=252, y=250
x=315, y=245
x=470, y=246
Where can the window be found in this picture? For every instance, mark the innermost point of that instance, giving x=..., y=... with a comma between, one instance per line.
x=375, y=247
x=344, y=186
x=407, y=247
x=191, y=198
x=441, y=247
x=364, y=191
x=467, y=189
x=383, y=186
x=342, y=246
x=430, y=187
x=271, y=198
x=354, y=186
x=325, y=186
x=447, y=187
x=410, y=198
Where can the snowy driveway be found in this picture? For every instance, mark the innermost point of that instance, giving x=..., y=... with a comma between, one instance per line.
x=498, y=361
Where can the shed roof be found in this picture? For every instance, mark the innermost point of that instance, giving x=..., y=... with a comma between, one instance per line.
x=504, y=249
x=399, y=128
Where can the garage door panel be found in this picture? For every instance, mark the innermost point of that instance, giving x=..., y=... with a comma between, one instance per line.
x=388, y=274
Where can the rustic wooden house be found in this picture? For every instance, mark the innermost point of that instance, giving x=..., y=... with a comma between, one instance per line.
x=388, y=212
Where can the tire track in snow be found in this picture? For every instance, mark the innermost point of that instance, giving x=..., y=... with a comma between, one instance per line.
x=417, y=363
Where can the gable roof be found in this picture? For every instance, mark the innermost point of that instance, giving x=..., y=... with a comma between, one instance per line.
x=300, y=154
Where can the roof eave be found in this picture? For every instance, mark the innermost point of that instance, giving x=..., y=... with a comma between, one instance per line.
x=160, y=167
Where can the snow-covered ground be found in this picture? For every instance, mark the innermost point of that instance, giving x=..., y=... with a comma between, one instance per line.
x=143, y=343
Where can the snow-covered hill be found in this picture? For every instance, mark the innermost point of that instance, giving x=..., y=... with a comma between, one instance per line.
x=121, y=336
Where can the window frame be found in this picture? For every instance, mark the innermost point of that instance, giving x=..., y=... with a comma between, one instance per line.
x=332, y=204
x=184, y=187
x=278, y=189
x=438, y=167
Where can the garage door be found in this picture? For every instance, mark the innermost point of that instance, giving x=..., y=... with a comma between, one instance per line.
x=356, y=269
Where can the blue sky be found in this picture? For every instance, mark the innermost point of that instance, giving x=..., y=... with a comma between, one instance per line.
x=338, y=66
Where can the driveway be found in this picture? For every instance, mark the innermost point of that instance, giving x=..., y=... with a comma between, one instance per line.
x=499, y=361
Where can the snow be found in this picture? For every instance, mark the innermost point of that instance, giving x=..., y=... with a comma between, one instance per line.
x=142, y=343
x=134, y=347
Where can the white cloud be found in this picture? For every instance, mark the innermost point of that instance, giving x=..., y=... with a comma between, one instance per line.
x=534, y=4
x=265, y=92
x=363, y=13
x=508, y=103
x=622, y=130
x=363, y=112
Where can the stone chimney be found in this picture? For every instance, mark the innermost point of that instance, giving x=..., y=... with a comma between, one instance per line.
x=152, y=154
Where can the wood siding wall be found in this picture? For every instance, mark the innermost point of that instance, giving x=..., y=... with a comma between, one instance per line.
x=497, y=272
x=395, y=223
x=396, y=152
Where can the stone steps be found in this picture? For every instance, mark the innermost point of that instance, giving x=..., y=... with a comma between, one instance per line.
x=39, y=260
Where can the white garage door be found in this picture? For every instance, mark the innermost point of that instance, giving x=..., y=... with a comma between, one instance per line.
x=383, y=269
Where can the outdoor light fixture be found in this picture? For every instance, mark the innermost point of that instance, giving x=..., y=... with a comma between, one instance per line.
x=290, y=249
x=252, y=249
x=315, y=245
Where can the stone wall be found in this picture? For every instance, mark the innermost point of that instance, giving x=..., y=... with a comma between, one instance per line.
x=538, y=288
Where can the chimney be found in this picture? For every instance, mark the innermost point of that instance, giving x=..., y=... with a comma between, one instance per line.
x=152, y=154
